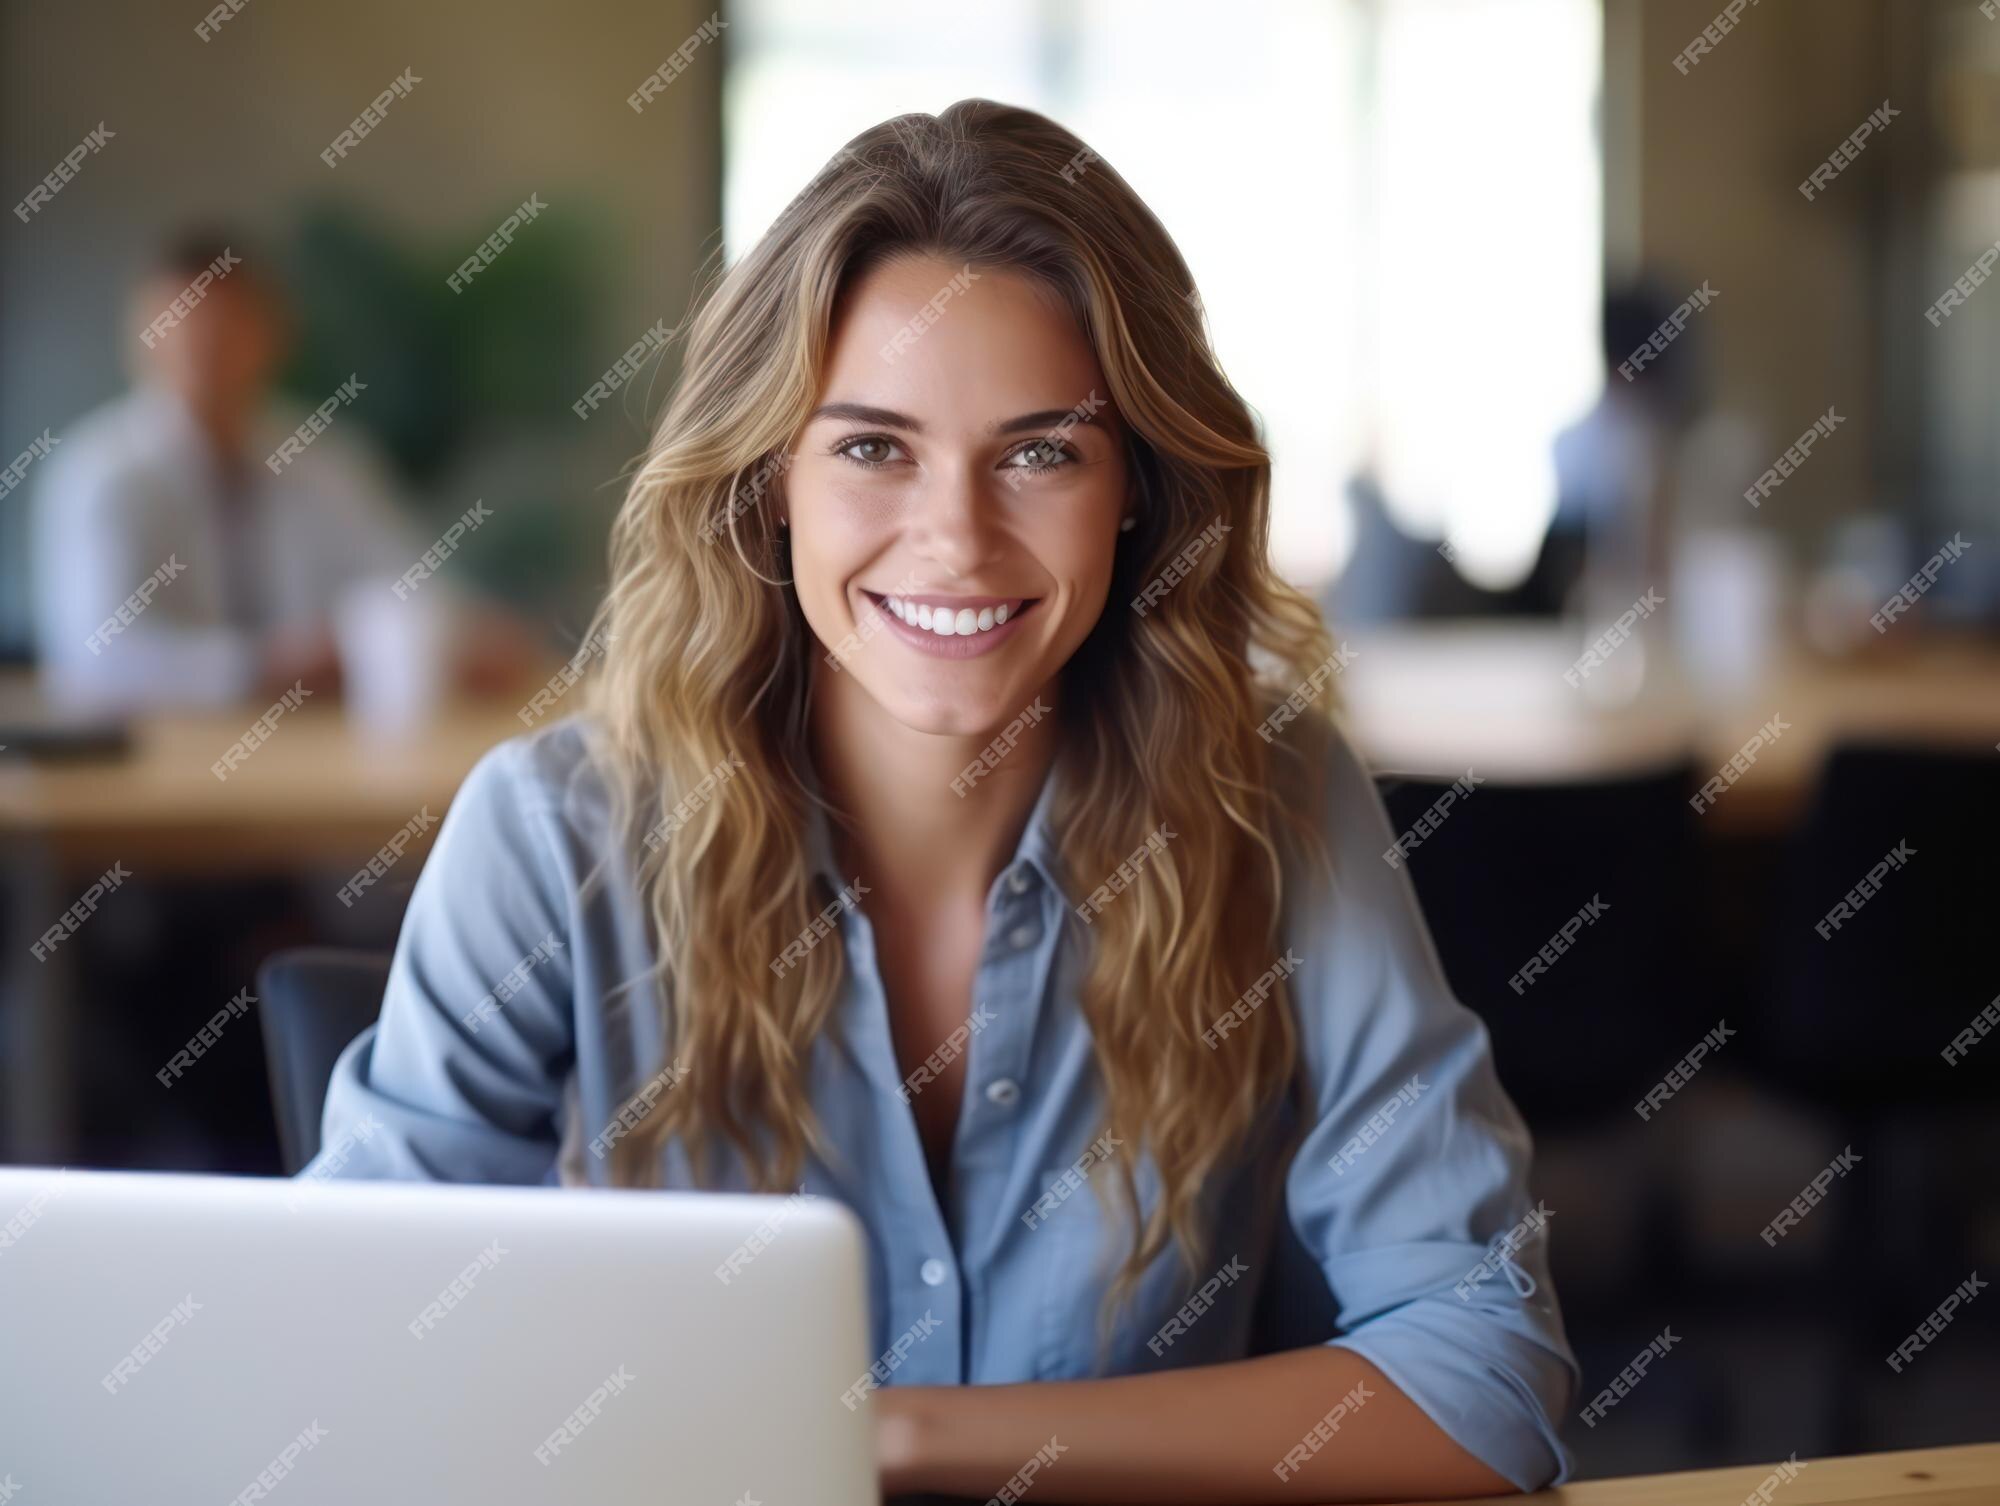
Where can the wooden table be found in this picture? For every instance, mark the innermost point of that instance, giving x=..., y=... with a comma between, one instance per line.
x=1963, y=1476
x=318, y=791
x=1433, y=701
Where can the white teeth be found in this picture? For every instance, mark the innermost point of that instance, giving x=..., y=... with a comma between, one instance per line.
x=946, y=623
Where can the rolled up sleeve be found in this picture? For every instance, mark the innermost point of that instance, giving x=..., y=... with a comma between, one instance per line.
x=1410, y=1185
x=462, y=1077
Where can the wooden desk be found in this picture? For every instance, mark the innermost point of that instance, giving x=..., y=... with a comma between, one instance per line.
x=1964, y=1476
x=1434, y=701
x=317, y=790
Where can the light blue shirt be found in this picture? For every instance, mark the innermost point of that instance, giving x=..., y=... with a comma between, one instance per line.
x=1406, y=1232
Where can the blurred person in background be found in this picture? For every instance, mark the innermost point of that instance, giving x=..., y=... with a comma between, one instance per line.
x=193, y=537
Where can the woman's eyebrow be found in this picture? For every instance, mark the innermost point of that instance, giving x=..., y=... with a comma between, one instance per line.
x=1040, y=420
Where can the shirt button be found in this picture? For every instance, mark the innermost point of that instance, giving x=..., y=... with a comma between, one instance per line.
x=1004, y=1091
x=933, y=1272
x=1018, y=880
x=1021, y=937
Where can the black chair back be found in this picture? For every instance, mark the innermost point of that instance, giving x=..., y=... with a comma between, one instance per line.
x=312, y=1001
x=1498, y=878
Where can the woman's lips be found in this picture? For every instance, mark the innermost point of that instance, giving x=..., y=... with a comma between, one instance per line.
x=955, y=645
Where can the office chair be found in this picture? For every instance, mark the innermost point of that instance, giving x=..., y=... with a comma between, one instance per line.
x=1507, y=866
x=312, y=1001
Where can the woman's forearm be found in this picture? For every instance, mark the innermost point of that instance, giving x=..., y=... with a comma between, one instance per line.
x=1319, y=1424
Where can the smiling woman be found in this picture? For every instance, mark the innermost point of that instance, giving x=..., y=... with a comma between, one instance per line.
x=969, y=839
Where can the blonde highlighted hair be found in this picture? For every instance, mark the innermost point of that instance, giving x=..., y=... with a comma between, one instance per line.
x=708, y=662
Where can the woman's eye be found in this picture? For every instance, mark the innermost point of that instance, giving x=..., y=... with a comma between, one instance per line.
x=870, y=450
x=1042, y=455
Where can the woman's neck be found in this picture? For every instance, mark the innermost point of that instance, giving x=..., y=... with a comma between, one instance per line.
x=915, y=834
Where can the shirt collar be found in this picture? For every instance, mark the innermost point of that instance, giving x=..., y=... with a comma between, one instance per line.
x=1036, y=851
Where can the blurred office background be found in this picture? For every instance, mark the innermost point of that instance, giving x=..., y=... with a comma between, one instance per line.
x=1427, y=233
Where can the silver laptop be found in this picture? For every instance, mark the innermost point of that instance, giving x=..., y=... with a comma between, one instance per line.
x=192, y=1340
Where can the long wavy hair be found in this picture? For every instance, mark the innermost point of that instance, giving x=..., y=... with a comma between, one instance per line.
x=705, y=682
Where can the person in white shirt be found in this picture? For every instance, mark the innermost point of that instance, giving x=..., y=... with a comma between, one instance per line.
x=181, y=557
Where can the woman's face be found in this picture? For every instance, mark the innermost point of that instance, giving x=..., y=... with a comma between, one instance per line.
x=963, y=460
